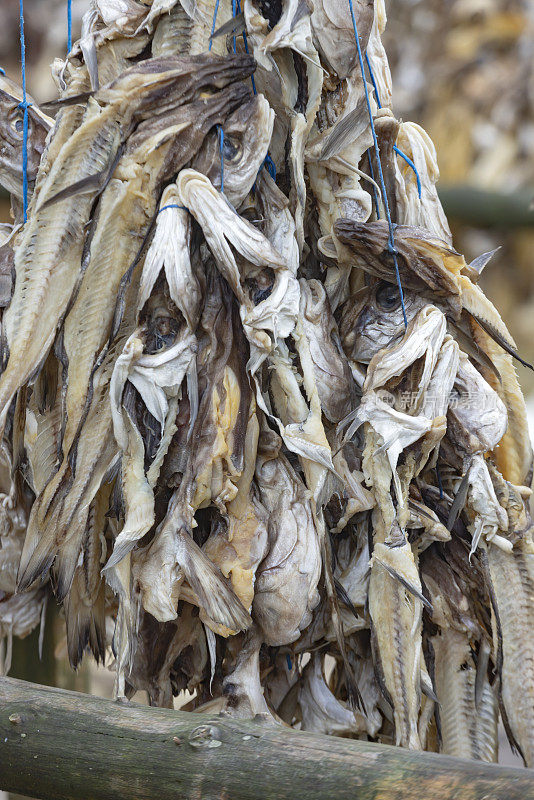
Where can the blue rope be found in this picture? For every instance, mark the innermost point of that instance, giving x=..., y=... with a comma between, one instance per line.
x=172, y=205
x=375, y=87
x=397, y=149
x=412, y=165
x=2, y=71
x=69, y=26
x=216, y=11
x=221, y=148
x=289, y=664
x=24, y=105
x=391, y=239
x=270, y=166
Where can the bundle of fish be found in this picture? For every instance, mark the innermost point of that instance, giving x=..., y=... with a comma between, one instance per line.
x=281, y=483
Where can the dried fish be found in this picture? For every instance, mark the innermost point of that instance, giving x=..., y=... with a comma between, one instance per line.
x=290, y=491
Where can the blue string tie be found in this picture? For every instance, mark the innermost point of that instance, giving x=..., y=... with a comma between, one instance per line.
x=270, y=166
x=172, y=205
x=391, y=243
x=69, y=26
x=410, y=164
x=216, y=11
x=396, y=149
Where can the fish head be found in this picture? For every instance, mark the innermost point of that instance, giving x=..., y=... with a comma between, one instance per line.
x=425, y=265
x=373, y=319
x=12, y=137
x=239, y=149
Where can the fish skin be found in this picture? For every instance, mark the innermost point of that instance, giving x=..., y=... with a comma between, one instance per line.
x=513, y=454
x=334, y=380
x=160, y=650
x=169, y=250
x=242, y=686
x=512, y=578
x=321, y=711
x=85, y=610
x=397, y=615
x=287, y=579
x=467, y=702
x=467, y=731
x=367, y=327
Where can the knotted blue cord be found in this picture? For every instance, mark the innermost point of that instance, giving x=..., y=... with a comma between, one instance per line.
x=69, y=26
x=410, y=164
x=172, y=205
x=391, y=237
x=396, y=149
x=270, y=166
x=24, y=105
x=371, y=75
x=216, y=11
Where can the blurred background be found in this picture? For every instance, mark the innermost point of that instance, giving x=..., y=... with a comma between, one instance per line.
x=464, y=70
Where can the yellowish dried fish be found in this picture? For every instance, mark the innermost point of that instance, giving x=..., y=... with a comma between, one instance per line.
x=286, y=581
x=512, y=579
x=396, y=613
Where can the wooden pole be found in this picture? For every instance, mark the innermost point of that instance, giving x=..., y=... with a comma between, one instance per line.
x=60, y=745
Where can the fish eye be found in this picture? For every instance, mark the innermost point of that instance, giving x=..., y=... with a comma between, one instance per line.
x=387, y=296
x=231, y=149
x=19, y=125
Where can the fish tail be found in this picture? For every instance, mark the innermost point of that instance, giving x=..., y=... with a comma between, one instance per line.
x=214, y=595
x=85, y=623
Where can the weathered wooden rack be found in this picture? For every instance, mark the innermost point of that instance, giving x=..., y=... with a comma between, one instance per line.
x=60, y=745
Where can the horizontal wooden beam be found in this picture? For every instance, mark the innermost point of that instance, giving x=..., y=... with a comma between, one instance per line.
x=60, y=745
x=485, y=209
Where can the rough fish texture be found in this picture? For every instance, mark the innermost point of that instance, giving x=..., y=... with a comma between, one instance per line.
x=245, y=467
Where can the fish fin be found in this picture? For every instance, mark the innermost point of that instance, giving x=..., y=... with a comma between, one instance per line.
x=475, y=267
x=427, y=687
x=234, y=26
x=500, y=339
x=459, y=500
x=354, y=695
x=345, y=599
x=61, y=102
x=96, y=182
x=407, y=585
x=86, y=624
x=214, y=595
x=482, y=670
x=67, y=559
